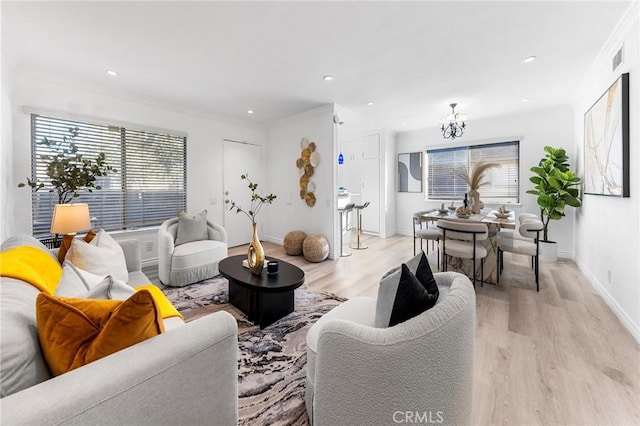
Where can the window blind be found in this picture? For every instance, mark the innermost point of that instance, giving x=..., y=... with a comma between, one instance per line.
x=443, y=183
x=148, y=187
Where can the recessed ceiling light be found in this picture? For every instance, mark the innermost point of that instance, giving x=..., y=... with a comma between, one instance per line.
x=112, y=73
x=404, y=124
x=370, y=103
x=250, y=111
x=528, y=59
x=327, y=78
x=525, y=99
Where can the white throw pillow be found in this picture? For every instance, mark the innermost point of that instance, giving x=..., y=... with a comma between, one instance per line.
x=75, y=282
x=110, y=288
x=191, y=227
x=103, y=256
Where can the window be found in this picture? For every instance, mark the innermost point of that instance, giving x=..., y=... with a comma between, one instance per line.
x=503, y=187
x=148, y=188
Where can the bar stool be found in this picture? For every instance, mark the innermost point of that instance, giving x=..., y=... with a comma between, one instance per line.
x=344, y=212
x=359, y=225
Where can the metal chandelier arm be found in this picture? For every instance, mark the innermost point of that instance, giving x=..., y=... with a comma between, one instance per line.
x=453, y=126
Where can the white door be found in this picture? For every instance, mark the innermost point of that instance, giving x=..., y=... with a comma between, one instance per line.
x=239, y=158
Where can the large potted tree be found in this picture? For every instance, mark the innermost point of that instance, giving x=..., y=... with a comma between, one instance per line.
x=556, y=187
x=69, y=172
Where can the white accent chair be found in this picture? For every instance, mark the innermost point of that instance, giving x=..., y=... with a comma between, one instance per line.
x=361, y=375
x=462, y=239
x=528, y=245
x=190, y=262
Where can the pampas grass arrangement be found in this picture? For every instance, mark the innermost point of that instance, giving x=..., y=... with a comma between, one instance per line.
x=476, y=179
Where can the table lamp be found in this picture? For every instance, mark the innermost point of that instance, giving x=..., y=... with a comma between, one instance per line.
x=69, y=219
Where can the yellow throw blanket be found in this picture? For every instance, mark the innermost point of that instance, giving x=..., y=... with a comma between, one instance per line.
x=32, y=265
x=167, y=310
x=38, y=268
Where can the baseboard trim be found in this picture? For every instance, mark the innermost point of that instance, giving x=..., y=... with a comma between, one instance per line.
x=610, y=301
x=404, y=232
x=566, y=255
x=274, y=240
x=149, y=262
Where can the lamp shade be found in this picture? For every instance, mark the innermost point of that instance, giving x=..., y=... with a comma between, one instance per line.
x=70, y=218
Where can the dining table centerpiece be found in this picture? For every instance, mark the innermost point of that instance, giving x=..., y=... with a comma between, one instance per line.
x=255, y=254
x=475, y=179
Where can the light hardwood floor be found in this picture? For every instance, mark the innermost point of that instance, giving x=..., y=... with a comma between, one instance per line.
x=559, y=356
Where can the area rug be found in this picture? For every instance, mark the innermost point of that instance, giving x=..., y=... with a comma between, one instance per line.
x=271, y=362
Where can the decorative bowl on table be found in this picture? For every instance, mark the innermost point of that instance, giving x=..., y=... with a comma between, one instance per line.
x=443, y=211
x=452, y=208
x=463, y=212
x=502, y=215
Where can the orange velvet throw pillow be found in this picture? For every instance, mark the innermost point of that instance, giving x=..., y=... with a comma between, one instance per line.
x=74, y=332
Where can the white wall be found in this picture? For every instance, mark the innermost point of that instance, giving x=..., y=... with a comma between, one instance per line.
x=390, y=162
x=534, y=130
x=607, y=230
x=355, y=127
x=289, y=212
x=7, y=217
x=204, y=141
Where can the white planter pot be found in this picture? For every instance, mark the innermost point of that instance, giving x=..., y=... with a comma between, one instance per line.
x=548, y=251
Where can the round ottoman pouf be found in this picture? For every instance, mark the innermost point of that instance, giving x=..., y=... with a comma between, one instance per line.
x=315, y=248
x=293, y=242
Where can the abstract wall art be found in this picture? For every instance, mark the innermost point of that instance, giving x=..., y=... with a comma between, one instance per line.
x=410, y=172
x=606, y=142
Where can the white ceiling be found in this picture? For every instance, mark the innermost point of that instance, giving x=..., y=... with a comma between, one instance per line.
x=411, y=58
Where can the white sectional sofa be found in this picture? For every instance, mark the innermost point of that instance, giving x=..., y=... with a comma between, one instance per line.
x=187, y=375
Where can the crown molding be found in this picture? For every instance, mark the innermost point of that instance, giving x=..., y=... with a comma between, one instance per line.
x=46, y=76
x=602, y=60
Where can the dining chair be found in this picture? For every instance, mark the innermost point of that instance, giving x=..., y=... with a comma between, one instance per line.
x=513, y=233
x=429, y=232
x=528, y=245
x=462, y=239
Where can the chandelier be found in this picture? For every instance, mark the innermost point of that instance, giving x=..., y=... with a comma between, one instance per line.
x=453, y=125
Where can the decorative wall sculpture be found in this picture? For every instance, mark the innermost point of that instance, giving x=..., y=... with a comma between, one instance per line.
x=306, y=164
x=606, y=142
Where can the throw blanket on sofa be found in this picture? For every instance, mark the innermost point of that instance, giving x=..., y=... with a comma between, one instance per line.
x=167, y=309
x=38, y=268
x=32, y=265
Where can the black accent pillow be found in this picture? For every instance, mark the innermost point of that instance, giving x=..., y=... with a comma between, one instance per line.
x=412, y=298
x=425, y=276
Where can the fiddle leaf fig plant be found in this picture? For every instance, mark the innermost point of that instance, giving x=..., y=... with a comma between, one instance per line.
x=69, y=171
x=556, y=186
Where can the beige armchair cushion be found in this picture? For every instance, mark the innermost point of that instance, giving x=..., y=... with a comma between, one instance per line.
x=191, y=227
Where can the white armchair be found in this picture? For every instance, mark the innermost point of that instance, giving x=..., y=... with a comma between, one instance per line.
x=191, y=262
x=358, y=374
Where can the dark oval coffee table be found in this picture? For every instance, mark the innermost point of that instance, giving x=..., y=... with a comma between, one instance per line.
x=263, y=298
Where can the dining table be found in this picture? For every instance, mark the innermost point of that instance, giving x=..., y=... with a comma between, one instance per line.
x=494, y=224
